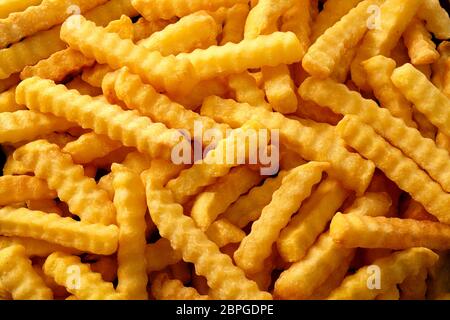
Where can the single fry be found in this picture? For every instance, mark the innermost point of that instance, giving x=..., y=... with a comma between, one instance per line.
x=215, y=199
x=10, y=6
x=439, y=68
x=296, y=187
x=246, y=90
x=66, y=232
x=125, y=126
x=425, y=97
x=321, y=58
x=280, y=89
x=15, y=189
x=394, y=18
x=316, y=143
x=298, y=19
x=160, y=255
x=164, y=288
x=234, y=25
x=78, y=279
x=342, y=100
x=34, y=247
x=131, y=209
x=18, y=277
x=421, y=48
x=8, y=101
x=222, y=233
x=400, y=169
x=83, y=87
x=169, y=73
x=436, y=17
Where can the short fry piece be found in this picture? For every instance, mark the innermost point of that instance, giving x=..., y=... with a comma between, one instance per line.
x=18, y=277
x=15, y=189
x=8, y=101
x=77, y=278
x=160, y=255
x=400, y=169
x=421, y=48
x=246, y=90
x=66, y=232
x=426, y=98
x=296, y=187
x=234, y=25
x=164, y=288
x=436, y=17
x=280, y=89
x=222, y=233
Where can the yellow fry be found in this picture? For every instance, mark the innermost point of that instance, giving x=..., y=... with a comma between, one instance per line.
x=8, y=101
x=443, y=141
x=160, y=255
x=310, y=110
x=128, y=127
x=34, y=247
x=90, y=146
x=379, y=70
x=66, y=232
x=246, y=90
x=421, y=48
x=394, y=269
x=311, y=220
x=228, y=280
x=436, y=17
x=18, y=277
x=298, y=20
x=9, y=6
x=15, y=189
x=248, y=207
x=322, y=57
x=164, y=288
x=414, y=287
x=394, y=16
x=143, y=29
x=58, y=291
x=397, y=167
x=234, y=25
x=169, y=73
x=77, y=278
x=296, y=187
x=342, y=100
x=162, y=171
x=311, y=143
x=130, y=89
x=424, y=95
x=137, y=162
x=280, y=89
x=440, y=66
x=267, y=50
x=130, y=203
x=379, y=232
x=94, y=75
x=198, y=30
x=333, y=11
x=216, y=164
x=215, y=199
x=222, y=233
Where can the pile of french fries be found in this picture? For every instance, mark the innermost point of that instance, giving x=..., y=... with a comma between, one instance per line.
x=350, y=99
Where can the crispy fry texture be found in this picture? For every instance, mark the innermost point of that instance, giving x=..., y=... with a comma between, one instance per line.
x=164, y=288
x=14, y=189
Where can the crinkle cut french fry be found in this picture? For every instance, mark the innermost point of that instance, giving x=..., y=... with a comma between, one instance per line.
x=400, y=169
x=426, y=98
x=160, y=255
x=296, y=187
x=143, y=29
x=69, y=61
x=246, y=90
x=198, y=30
x=379, y=70
x=394, y=269
x=311, y=220
x=342, y=100
x=162, y=171
x=234, y=25
x=332, y=12
x=215, y=199
x=90, y=146
x=94, y=76
x=248, y=207
x=25, y=125
x=222, y=233
x=164, y=288
x=321, y=58
x=310, y=143
x=440, y=66
x=421, y=48
x=15, y=189
x=66, y=232
x=41, y=17
x=130, y=203
x=166, y=9
x=81, y=193
x=380, y=232
x=414, y=287
x=266, y=50
x=10, y=6
x=280, y=89
x=128, y=127
x=298, y=20
x=216, y=164
x=130, y=89
x=169, y=73
x=264, y=15
x=436, y=17
x=8, y=101
x=395, y=16
x=18, y=277
x=43, y=44
x=443, y=141
x=137, y=162
x=196, y=248
x=34, y=247
x=77, y=278
x=310, y=110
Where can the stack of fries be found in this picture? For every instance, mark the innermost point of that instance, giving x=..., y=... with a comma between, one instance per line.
x=123, y=123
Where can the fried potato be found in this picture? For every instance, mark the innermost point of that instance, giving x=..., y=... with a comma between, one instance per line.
x=15, y=189
x=421, y=48
x=164, y=288
x=437, y=19
x=234, y=24
x=246, y=90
